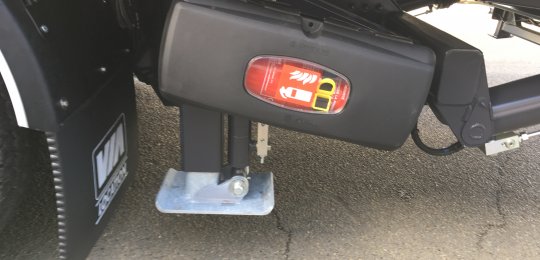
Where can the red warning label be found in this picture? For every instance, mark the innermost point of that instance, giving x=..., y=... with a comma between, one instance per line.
x=297, y=85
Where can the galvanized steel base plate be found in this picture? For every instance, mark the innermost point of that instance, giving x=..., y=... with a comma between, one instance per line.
x=181, y=193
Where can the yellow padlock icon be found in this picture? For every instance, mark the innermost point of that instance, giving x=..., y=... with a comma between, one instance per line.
x=327, y=86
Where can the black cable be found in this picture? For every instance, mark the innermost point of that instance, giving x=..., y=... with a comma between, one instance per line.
x=454, y=148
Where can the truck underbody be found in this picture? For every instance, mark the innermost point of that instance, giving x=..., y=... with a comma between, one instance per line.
x=359, y=71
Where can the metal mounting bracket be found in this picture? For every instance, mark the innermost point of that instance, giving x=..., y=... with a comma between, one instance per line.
x=200, y=193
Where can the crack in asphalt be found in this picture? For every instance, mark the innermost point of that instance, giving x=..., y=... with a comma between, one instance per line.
x=280, y=227
x=340, y=200
x=352, y=214
x=486, y=229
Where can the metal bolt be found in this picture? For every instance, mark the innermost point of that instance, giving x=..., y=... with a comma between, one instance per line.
x=44, y=28
x=63, y=103
x=510, y=144
x=238, y=188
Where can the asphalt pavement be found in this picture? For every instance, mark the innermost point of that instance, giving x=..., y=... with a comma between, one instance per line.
x=334, y=200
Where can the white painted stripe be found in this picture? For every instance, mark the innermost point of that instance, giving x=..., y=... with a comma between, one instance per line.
x=13, y=92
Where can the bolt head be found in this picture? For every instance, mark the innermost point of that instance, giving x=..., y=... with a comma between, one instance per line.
x=510, y=144
x=63, y=103
x=239, y=187
x=477, y=131
x=44, y=28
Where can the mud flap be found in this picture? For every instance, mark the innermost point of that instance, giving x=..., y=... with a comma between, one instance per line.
x=93, y=156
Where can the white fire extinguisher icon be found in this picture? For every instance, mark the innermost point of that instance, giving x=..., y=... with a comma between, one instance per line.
x=295, y=93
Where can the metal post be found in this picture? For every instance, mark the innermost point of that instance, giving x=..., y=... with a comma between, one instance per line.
x=499, y=33
x=201, y=134
x=239, y=138
x=502, y=16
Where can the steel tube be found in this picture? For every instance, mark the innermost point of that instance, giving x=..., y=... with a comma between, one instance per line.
x=516, y=104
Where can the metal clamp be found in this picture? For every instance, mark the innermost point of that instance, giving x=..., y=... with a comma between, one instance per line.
x=506, y=142
x=262, y=141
